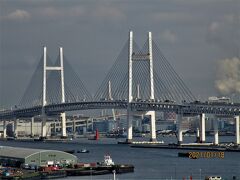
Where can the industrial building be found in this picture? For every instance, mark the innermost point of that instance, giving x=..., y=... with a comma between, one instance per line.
x=14, y=156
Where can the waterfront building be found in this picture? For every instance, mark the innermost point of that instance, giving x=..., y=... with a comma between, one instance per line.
x=14, y=156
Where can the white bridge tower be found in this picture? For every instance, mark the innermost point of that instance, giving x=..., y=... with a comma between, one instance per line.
x=44, y=98
x=148, y=57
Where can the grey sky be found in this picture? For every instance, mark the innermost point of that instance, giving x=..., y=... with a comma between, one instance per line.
x=193, y=34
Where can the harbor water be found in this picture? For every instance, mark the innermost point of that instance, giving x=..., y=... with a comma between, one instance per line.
x=149, y=163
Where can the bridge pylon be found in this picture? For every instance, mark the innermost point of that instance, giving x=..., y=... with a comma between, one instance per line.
x=179, y=127
x=215, y=128
x=4, y=135
x=15, y=125
x=132, y=57
x=237, y=129
x=202, y=127
x=44, y=98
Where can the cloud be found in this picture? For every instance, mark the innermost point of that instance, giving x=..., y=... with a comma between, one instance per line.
x=84, y=12
x=171, y=16
x=228, y=76
x=53, y=12
x=168, y=36
x=50, y=12
x=214, y=26
x=225, y=35
x=18, y=15
x=108, y=12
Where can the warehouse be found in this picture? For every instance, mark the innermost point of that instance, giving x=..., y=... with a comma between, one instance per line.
x=14, y=156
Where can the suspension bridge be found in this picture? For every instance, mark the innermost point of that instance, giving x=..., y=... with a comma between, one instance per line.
x=141, y=81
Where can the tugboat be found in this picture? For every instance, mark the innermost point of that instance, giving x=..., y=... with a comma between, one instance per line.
x=118, y=168
x=107, y=161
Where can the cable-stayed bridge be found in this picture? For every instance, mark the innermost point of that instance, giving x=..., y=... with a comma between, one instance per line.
x=141, y=81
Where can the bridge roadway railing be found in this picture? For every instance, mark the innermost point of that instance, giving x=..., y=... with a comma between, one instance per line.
x=186, y=108
x=25, y=112
x=216, y=109
x=57, y=108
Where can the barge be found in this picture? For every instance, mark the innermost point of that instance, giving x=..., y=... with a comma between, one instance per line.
x=105, y=167
x=191, y=146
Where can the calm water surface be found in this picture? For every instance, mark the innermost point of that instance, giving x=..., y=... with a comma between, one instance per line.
x=149, y=163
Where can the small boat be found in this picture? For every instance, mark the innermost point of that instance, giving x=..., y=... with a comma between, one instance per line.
x=70, y=151
x=83, y=151
x=107, y=161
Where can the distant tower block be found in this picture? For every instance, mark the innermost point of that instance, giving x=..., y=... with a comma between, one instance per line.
x=44, y=103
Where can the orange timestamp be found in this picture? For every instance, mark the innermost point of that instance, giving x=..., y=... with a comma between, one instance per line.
x=206, y=154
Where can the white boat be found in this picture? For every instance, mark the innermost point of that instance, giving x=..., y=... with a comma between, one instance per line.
x=83, y=151
x=107, y=161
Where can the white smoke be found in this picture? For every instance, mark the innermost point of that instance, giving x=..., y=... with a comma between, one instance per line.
x=228, y=76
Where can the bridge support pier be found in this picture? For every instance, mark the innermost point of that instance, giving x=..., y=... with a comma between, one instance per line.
x=15, y=127
x=74, y=126
x=129, y=121
x=44, y=127
x=237, y=129
x=4, y=129
x=153, y=125
x=87, y=125
x=55, y=127
x=202, y=119
x=198, y=136
x=215, y=126
x=32, y=127
x=92, y=124
x=179, y=126
x=63, y=122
